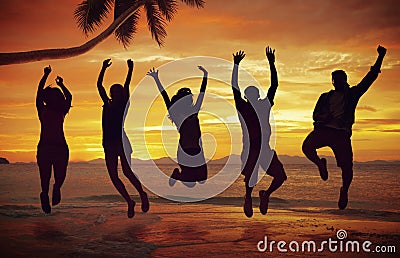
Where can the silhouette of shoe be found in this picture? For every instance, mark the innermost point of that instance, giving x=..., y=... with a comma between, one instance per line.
x=56, y=198
x=145, y=202
x=189, y=184
x=248, y=207
x=44, y=200
x=264, y=200
x=174, y=177
x=323, y=171
x=343, y=199
x=131, y=209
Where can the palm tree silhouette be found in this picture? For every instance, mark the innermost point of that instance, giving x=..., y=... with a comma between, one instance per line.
x=90, y=15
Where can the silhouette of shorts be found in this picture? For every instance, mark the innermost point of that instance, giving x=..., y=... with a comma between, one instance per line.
x=275, y=168
x=53, y=154
x=192, y=170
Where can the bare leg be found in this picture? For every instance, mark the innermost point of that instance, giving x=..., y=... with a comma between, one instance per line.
x=276, y=170
x=249, y=190
x=130, y=175
x=112, y=167
x=249, y=167
x=275, y=184
x=135, y=182
x=60, y=172
x=45, y=175
x=248, y=202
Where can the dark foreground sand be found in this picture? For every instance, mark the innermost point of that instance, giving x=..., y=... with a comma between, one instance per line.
x=214, y=228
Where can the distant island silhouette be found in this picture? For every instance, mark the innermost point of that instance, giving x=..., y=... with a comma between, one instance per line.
x=286, y=159
x=4, y=161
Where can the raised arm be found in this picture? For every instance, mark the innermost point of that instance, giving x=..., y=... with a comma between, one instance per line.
x=39, y=94
x=270, y=53
x=203, y=86
x=371, y=76
x=128, y=77
x=67, y=93
x=100, y=87
x=154, y=73
x=235, y=85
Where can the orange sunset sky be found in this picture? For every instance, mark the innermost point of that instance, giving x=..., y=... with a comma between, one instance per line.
x=311, y=38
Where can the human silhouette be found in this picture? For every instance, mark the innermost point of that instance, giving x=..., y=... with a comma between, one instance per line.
x=333, y=120
x=254, y=115
x=52, y=105
x=184, y=114
x=115, y=139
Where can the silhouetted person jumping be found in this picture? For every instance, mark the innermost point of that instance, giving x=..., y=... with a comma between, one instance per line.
x=254, y=119
x=333, y=120
x=114, y=135
x=52, y=151
x=184, y=114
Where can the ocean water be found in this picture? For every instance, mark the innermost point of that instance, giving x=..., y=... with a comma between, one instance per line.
x=374, y=187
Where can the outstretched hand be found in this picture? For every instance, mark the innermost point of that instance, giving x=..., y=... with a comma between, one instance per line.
x=130, y=63
x=238, y=57
x=153, y=73
x=270, y=53
x=107, y=63
x=47, y=69
x=381, y=50
x=201, y=68
x=59, y=81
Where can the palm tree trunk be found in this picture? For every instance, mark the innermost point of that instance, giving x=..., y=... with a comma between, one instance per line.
x=60, y=53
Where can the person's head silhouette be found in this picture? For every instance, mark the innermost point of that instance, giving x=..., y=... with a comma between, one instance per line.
x=185, y=98
x=54, y=98
x=339, y=80
x=252, y=93
x=116, y=92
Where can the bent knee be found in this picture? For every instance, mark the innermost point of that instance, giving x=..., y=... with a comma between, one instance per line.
x=281, y=175
x=306, y=146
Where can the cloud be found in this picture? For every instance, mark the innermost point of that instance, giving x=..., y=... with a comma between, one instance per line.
x=367, y=108
x=386, y=130
x=379, y=121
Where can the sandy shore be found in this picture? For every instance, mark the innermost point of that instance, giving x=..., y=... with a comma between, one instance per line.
x=215, y=228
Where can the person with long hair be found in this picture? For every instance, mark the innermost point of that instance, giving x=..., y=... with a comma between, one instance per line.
x=52, y=105
x=115, y=141
x=185, y=115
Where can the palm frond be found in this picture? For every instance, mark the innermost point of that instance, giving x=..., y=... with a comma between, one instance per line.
x=90, y=14
x=125, y=32
x=155, y=22
x=168, y=8
x=197, y=3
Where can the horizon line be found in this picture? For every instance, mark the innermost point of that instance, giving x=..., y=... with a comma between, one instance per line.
x=215, y=159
